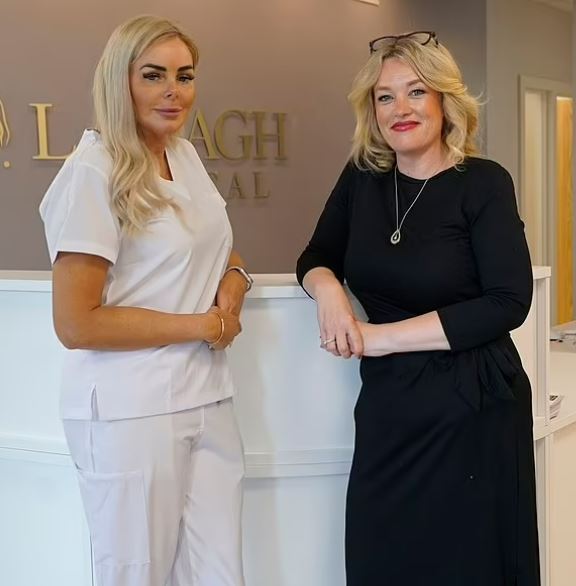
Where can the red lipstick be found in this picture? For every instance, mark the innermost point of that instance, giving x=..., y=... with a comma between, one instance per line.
x=404, y=126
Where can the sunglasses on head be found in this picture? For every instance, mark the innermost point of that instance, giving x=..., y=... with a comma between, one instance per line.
x=422, y=37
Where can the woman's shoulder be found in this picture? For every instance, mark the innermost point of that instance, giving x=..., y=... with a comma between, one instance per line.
x=481, y=168
x=484, y=181
x=88, y=165
x=361, y=177
x=351, y=177
x=91, y=151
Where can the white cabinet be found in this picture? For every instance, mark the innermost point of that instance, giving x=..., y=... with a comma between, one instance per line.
x=562, y=468
x=563, y=505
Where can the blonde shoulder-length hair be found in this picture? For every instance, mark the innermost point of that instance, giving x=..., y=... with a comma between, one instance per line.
x=436, y=67
x=135, y=196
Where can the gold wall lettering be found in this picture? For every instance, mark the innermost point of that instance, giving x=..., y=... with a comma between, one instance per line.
x=259, y=190
x=199, y=124
x=42, y=126
x=245, y=139
x=238, y=135
x=217, y=148
x=279, y=136
x=235, y=187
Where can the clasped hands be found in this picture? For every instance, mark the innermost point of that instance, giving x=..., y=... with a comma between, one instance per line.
x=226, y=308
x=341, y=333
x=350, y=338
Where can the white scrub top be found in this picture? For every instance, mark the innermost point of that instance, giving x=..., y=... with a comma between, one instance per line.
x=174, y=266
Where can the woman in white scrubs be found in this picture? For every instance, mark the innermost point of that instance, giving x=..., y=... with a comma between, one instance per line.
x=147, y=295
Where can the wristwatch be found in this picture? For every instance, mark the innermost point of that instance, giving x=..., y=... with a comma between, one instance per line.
x=249, y=280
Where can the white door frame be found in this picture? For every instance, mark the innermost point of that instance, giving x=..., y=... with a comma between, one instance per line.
x=552, y=90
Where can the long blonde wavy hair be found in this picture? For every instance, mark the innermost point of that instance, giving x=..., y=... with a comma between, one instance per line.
x=135, y=195
x=436, y=67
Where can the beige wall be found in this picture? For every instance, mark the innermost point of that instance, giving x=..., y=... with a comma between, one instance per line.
x=293, y=56
x=524, y=37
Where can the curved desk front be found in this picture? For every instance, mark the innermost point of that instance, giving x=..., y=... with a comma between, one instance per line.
x=294, y=405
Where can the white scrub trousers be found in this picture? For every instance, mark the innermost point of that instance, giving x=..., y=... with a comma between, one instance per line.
x=163, y=497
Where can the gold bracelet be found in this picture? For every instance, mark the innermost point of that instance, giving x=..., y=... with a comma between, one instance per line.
x=219, y=316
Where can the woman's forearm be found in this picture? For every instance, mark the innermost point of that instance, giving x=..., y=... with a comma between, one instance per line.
x=318, y=280
x=133, y=328
x=415, y=334
x=82, y=321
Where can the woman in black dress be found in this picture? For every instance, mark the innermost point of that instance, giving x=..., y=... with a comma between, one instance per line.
x=428, y=238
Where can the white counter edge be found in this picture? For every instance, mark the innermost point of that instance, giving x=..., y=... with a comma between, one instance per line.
x=269, y=286
x=265, y=286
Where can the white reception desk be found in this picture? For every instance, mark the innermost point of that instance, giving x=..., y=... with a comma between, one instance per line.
x=294, y=405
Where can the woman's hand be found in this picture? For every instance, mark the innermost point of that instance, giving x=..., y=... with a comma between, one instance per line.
x=231, y=292
x=222, y=329
x=339, y=331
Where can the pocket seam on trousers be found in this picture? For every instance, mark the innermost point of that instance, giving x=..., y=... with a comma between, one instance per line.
x=115, y=505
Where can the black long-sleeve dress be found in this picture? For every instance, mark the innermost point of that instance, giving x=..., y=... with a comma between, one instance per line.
x=442, y=487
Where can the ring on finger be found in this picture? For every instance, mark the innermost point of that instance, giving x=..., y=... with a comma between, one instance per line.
x=326, y=342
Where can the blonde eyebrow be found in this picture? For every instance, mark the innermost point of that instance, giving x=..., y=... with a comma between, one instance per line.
x=410, y=83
